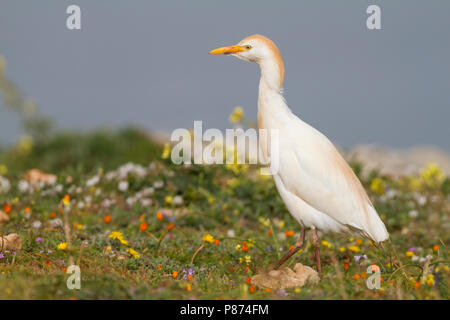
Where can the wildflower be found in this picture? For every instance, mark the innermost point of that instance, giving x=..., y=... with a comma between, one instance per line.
x=238, y=247
x=246, y=259
x=359, y=242
x=409, y=254
x=289, y=233
x=354, y=248
x=189, y=287
x=7, y=208
x=435, y=247
x=248, y=280
x=38, y=239
x=107, y=218
x=269, y=232
x=267, y=289
x=175, y=274
x=159, y=215
x=53, y=215
x=143, y=226
x=62, y=246
x=358, y=258
x=178, y=200
x=159, y=266
x=66, y=201
x=356, y=277
x=282, y=293
x=413, y=214
x=297, y=290
x=188, y=274
x=244, y=247
x=134, y=253
x=170, y=226
x=116, y=235
x=166, y=151
x=123, y=186
x=2, y=255
x=326, y=244
x=430, y=280
x=432, y=175
x=237, y=115
x=251, y=289
x=168, y=200
x=216, y=242
x=377, y=186
x=346, y=266
x=341, y=249
x=208, y=238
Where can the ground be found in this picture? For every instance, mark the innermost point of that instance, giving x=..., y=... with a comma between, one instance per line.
x=153, y=230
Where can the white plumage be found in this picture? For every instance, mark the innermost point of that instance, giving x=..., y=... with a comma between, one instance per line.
x=318, y=187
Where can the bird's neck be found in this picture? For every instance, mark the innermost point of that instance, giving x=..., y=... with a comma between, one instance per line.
x=272, y=108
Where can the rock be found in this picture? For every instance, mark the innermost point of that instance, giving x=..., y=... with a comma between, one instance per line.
x=286, y=278
x=3, y=217
x=11, y=242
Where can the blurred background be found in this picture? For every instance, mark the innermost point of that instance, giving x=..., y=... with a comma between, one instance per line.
x=144, y=64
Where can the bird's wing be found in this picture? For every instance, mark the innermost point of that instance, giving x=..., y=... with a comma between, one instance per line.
x=312, y=169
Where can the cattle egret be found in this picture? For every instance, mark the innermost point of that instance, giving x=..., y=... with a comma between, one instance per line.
x=317, y=185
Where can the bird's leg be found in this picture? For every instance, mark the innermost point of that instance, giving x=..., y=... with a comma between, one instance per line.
x=316, y=249
x=298, y=245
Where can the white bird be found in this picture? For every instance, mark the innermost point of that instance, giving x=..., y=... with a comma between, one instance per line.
x=317, y=185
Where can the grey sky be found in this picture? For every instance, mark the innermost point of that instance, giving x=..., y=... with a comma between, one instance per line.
x=146, y=62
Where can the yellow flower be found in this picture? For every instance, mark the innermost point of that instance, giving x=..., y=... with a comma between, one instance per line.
x=208, y=238
x=134, y=253
x=237, y=115
x=354, y=248
x=62, y=246
x=246, y=259
x=377, y=186
x=409, y=254
x=430, y=280
x=25, y=144
x=168, y=200
x=3, y=170
x=432, y=175
x=166, y=151
x=326, y=244
x=116, y=235
x=341, y=249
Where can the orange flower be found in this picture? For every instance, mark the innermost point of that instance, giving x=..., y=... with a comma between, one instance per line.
x=346, y=266
x=159, y=266
x=269, y=232
x=232, y=268
x=142, y=217
x=189, y=277
x=159, y=215
x=435, y=247
x=289, y=233
x=216, y=242
x=7, y=208
x=170, y=226
x=244, y=248
x=364, y=275
x=417, y=284
x=53, y=215
x=291, y=247
x=251, y=289
x=143, y=226
x=359, y=242
x=63, y=270
x=248, y=280
x=267, y=289
x=356, y=277
x=107, y=218
x=27, y=210
x=189, y=287
x=174, y=274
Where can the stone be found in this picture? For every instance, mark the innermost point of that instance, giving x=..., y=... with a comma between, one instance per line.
x=11, y=242
x=286, y=278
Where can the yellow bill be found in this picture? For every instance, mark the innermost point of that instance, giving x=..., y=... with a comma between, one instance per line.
x=227, y=50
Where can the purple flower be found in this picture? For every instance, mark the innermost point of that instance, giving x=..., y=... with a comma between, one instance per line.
x=357, y=258
x=1, y=256
x=38, y=239
x=187, y=273
x=282, y=293
x=412, y=249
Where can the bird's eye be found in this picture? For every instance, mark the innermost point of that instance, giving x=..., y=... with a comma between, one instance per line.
x=248, y=47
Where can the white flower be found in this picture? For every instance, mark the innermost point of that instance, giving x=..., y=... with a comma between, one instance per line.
x=80, y=205
x=158, y=184
x=59, y=188
x=413, y=214
x=36, y=225
x=4, y=185
x=231, y=233
x=146, y=202
x=23, y=186
x=178, y=200
x=123, y=186
x=92, y=181
x=414, y=258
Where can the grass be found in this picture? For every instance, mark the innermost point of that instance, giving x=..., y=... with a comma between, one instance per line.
x=222, y=223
